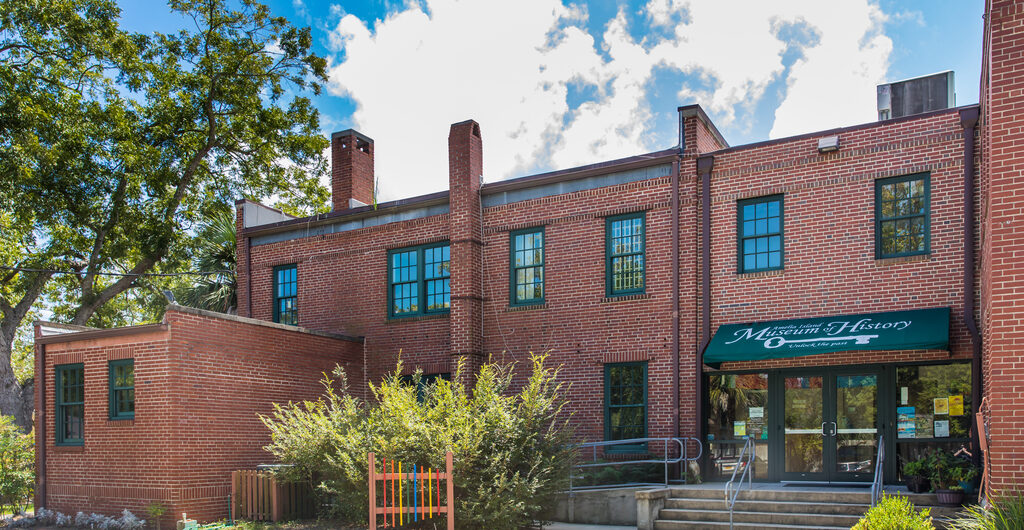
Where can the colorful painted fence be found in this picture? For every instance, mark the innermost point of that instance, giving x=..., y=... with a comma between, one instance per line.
x=413, y=494
x=258, y=496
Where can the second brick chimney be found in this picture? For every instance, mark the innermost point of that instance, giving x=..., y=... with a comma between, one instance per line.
x=465, y=174
x=351, y=170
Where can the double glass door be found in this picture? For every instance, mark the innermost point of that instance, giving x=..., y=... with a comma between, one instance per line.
x=830, y=425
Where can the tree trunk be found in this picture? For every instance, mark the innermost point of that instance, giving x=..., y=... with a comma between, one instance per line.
x=15, y=399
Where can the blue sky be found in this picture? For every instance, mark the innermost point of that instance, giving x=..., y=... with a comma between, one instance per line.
x=556, y=84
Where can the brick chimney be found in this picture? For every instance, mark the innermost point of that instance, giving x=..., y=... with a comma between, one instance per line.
x=351, y=170
x=465, y=173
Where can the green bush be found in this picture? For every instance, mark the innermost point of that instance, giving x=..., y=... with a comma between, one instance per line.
x=1006, y=513
x=512, y=450
x=895, y=512
x=17, y=466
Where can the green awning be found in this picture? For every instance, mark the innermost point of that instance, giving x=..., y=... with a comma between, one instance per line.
x=920, y=329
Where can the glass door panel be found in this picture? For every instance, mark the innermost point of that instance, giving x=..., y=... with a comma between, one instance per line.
x=855, y=427
x=803, y=427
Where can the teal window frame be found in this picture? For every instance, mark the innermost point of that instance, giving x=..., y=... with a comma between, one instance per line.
x=608, y=407
x=514, y=268
x=278, y=296
x=611, y=255
x=420, y=281
x=60, y=404
x=880, y=219
x=754, y=238
x=115, y=398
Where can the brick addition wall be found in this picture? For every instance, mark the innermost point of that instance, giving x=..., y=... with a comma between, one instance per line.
x=201, y=380
x=1002, y=240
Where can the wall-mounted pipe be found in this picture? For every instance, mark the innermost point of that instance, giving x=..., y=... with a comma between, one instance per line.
x=675, y=298
x=704, y=166
x=969, y=121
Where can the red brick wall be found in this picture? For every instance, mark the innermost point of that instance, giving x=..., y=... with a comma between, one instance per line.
x=829, y=269
x=342, y=288
x=1002, y=270
x=581, y=328
x=199, y=388
x=829, y=259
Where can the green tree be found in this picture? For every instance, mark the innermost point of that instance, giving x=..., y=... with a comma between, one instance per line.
x=215, y=251
x=113, y=145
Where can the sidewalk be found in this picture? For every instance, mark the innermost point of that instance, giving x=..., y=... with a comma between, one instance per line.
x=572, y=526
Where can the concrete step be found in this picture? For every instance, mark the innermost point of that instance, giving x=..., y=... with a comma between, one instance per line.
x=780, y=518
x=778, y=494
x=770, y=506
x=697, y=525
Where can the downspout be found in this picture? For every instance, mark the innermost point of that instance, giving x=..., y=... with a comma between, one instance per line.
x=969, y=120
x=675, y=298
x=248, y=274
x=704, y=165
x=40, y=423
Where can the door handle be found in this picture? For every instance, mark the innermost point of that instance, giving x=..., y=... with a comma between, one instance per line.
x=824, y=433
x=835, y=429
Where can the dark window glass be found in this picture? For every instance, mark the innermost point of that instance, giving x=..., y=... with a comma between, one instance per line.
x=902, y=216
x=625, y=387
x=528, y=266
x=760, y=234
x=286, y=282
x=70, y=404
x=626, y=248
x=419, y=280
x=122, y=389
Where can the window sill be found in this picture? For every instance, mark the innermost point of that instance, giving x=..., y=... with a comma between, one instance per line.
x=417, y=318
x=68, y=448
x=885, y=262
x=525, y=307
x=625, y=297
x=121, y=422
x=760, y=274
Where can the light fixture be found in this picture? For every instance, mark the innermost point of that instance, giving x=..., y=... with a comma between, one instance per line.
x=828, y=144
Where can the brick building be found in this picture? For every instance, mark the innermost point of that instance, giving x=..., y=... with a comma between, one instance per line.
x=820, y=294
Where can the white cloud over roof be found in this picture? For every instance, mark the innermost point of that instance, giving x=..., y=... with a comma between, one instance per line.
x=512, y=65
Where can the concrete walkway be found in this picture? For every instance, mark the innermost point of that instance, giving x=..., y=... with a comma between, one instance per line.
x=571, y=526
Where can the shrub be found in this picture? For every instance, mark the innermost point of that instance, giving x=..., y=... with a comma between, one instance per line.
x=895, y=512
x=512, y=451
x=1006, y=513
x=17, y=466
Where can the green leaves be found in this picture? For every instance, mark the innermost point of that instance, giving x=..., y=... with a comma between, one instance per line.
x=512, y=449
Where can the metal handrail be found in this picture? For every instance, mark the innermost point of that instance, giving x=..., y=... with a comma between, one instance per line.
x=876, y=483
x=730, y=494
x=683, y=444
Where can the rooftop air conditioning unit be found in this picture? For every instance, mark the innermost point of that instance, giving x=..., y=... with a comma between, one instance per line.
x=916, y=95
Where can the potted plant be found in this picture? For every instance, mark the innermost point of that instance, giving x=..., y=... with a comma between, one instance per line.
x=966, y=476
x=946, y=478
x=915, y=475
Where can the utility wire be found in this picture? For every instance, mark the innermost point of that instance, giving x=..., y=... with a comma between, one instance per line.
x=120, y=274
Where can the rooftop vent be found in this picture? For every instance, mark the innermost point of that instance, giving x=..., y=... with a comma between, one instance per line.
x=916, y=95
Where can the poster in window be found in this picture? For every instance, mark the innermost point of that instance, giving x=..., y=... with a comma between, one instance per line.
x=956, y=405
x=942, y=428
x=739, y=428
x=941, y=406
x=905, y=425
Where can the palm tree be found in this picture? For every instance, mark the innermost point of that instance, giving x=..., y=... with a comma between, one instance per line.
x=215, y=252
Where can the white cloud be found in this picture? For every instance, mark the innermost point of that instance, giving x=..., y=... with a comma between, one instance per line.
x=510, y=66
